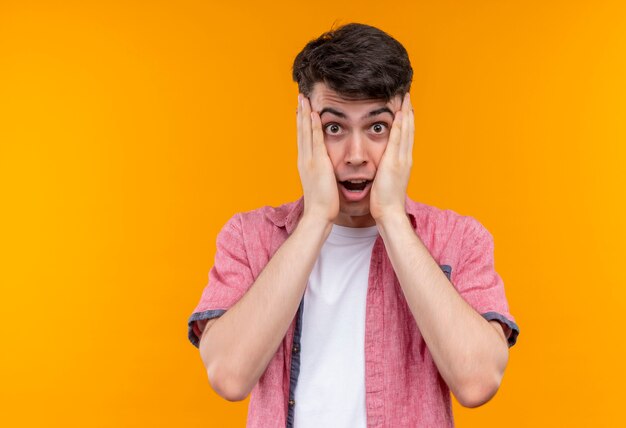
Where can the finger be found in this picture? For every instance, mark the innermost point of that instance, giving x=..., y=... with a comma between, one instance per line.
x=299, y=123
x=307, y=139
x=411, y=137
x=395, y=134
x=406, y=125
x=406, y=103
x=317, y=134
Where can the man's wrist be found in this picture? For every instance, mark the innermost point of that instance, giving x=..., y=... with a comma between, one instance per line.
x=392, y=215
x=312, y=223
x=392, y=220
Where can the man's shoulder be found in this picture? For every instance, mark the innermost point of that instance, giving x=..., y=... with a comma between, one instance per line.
x=438, y=220
x=431, y=212
x=269, y=216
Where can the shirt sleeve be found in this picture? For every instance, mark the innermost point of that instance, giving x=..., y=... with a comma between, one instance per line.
x=229, y=279
x=478, y=282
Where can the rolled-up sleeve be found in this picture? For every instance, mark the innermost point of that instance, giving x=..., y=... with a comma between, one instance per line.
x=229, y=279
x=477, y=280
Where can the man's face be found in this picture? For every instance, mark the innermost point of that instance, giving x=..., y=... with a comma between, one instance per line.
x=355, y=135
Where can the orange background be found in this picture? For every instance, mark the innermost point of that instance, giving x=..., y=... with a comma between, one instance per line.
x=131, y=131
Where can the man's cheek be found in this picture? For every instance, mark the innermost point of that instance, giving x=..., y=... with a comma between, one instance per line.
x=333, y=155
x=378, y=153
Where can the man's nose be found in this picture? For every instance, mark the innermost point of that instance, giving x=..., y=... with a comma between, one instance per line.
x=355, y=151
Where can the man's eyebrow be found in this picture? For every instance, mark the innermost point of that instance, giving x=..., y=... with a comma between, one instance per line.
x=379, y=111
x=333, y=111
x=370, y=114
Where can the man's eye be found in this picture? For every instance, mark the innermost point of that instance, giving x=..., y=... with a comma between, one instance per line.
x=332, y=128
x=379, y=128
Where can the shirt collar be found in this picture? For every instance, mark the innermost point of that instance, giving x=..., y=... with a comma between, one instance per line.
x=287, y=215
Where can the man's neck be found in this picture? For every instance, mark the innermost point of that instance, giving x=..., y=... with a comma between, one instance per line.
x=355, y=221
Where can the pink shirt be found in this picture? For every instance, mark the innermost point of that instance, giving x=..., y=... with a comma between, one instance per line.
x=403, y=385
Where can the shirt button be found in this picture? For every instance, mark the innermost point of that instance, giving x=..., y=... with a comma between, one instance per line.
x=292, y=403
x=295, y=350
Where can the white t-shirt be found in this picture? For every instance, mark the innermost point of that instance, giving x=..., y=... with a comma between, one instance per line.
x=331, y=385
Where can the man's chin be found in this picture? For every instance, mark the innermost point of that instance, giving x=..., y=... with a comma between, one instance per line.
x=355, y=208
x=355, y=218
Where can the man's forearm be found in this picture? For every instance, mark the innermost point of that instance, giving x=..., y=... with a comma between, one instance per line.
x=239, y=345
x=470, y=354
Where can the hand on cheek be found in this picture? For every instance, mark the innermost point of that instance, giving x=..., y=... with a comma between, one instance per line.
x=392, y=177
x=319, y=186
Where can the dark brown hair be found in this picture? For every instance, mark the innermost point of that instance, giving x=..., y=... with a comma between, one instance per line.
x=357, y=61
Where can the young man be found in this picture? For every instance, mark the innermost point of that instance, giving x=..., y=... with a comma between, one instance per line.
x=354, y=306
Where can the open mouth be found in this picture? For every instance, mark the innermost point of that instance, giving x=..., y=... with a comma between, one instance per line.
x=355, y=185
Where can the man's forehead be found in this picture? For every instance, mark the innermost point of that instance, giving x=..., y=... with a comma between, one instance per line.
x=323, y=97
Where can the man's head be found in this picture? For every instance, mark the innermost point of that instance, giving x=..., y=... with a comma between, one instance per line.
x=355, y=60
x=355, y=77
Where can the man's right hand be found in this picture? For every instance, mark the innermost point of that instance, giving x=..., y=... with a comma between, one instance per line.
x=319, y=185
x=237, y=347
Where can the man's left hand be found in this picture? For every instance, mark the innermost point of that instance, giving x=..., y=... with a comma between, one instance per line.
x=388, y=193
